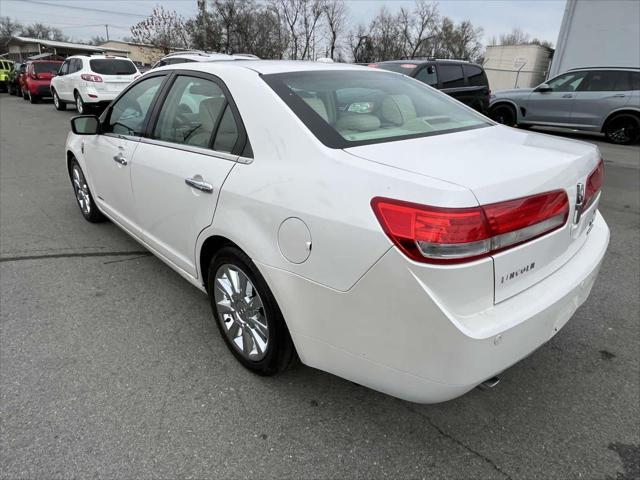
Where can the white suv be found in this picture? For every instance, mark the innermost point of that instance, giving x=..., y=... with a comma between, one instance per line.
x=89, y=81
x=198, y=56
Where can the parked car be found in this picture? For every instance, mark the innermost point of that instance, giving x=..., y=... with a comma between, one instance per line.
x=91, y=81
x=36, y=81
x=13, y=86
x=6, y=66
x=603, y=100
x=464, y=81
x=354, y=217
x=198, y=56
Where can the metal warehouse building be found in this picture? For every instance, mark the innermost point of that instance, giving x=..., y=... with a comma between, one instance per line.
x=598, y=34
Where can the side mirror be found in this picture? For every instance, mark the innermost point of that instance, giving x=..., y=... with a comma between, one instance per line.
x=543, y=87
x=85, y=125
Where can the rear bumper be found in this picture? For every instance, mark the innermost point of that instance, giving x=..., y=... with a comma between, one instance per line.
x=40, y=89
x=392, y=333
x=91, y=95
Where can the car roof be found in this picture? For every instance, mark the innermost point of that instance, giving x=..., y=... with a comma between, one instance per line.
x=421, y=61
x=267, y=67
x=635, y=69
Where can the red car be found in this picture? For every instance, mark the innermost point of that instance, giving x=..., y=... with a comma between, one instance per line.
x=35, y=82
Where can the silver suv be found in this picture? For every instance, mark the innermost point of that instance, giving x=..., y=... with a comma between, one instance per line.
x=598, y=99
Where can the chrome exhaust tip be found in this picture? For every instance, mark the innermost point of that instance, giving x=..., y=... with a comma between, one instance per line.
x=489, y=383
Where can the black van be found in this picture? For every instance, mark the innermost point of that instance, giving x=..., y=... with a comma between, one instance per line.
x=464, y=81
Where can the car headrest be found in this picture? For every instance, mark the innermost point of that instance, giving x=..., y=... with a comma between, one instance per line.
x=211, y=107
x=360, y=122
x=318, y=106
x=398, y=109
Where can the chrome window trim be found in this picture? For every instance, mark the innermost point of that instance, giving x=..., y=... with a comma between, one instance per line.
x=202, y=151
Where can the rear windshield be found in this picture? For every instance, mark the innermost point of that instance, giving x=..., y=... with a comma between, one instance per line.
x=46, y=67
x=112, y=66
x=346, y=108
x=405, y=68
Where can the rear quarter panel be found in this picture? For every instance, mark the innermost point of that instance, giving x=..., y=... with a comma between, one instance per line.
x=294, y=175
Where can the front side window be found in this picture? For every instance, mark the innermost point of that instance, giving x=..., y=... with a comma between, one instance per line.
x=128, y=114
x=569, y=82
x=351, y=107
x=64, y=69
x=428, y=75
x=112, y=66
x=195, y=111
x=451, y=76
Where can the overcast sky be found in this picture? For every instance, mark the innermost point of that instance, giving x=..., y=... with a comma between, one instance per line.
x=82, y=19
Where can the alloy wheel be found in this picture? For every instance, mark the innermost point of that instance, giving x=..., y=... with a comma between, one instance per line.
x=81, y=190
x=56, y=101
x=79, y=105
x=241, y=312
x=623, y=130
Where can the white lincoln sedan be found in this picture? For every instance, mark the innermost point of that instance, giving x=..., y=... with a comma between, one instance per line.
x=355, y=219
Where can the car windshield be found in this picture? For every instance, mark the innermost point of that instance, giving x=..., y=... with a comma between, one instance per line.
x=46, y=67
x=113, y=66
x=405, y=68
x=346, y=108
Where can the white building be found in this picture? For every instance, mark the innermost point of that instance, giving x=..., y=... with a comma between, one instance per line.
x=598, y=33
x=516, y=66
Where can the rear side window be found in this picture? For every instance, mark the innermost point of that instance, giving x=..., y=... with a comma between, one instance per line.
x=606, y=81
x=194, y=112
x=635, y=80
x=475, y=76
x=428, y=75
x=451, y=76
x=114, y=66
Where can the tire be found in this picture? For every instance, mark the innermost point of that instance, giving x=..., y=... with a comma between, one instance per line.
x=623, y=129
x=261, y=342
x=83, y=195
x=59, y=104
x=25, y=95
x=81, y=107
x=504, y=114
x=11, y=90
x=33, y=98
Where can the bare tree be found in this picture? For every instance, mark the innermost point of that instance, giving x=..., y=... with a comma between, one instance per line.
x=163, y=29
x=290, y=11
x=418, y=27
x=312, y=11
x=335, y=12
x=516, y=37
x=8, y=28
x=44, y=32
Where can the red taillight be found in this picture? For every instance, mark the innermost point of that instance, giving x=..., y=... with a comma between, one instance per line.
x=594, y=184
x=449, y=235
x=90, y=77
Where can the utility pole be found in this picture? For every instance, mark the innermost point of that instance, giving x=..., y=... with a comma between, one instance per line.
x=106, y=27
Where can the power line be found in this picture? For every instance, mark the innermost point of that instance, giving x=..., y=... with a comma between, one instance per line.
x=87, y=9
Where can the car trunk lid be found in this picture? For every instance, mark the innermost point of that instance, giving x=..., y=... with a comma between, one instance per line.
x=499, y=164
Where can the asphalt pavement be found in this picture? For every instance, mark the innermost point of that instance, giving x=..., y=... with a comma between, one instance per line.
x=111, y=366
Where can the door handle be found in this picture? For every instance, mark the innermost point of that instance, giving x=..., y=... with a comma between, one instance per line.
x=619, y=95
x=199, y=183
x=567, y=95
x=120, y=159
